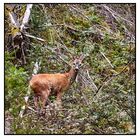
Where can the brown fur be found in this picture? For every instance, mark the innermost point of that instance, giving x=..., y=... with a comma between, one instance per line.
x=45, y=84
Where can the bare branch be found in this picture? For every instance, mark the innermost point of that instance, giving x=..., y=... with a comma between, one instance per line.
x=93, y=84
x=26, y=16
x=63, y=60
x=115, y=15
x=26, y=98
x=13, y=19
x=22, y=111
x=31, y=109
x=79, y=11
x=63, y=44
x=87, y=82
x=34, y=37
x=107, y=59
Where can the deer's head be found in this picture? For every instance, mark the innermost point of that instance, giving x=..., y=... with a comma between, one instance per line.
x=77, y=62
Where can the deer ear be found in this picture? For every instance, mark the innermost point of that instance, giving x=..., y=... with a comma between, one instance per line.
x=74, y=57
x=82, y=57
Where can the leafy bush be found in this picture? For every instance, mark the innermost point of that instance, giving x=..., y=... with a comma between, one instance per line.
x=15, y=86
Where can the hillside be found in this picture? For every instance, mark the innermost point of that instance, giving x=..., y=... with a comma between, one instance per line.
x=44, y=39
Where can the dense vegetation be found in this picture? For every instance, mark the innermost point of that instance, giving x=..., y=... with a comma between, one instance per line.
x=102, y=100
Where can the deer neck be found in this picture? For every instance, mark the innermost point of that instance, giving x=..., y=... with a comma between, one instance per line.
x=72, y=75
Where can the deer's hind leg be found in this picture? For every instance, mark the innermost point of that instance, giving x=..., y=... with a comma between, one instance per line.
x=44, y=98
x=36, y=100
x=58, y=98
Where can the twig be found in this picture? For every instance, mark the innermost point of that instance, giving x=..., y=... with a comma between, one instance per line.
x=34, y=37
x=63, y=60
x=64, y=46
x=13, y=19
x=114, y=13
x=105, y=83
x=91, y=80
x=22, y=110
x=85, y=98
x=32, y=109
x=79, y=11
x=87, y=82
x=26, y=98
x=67, y=26
x=107, y=59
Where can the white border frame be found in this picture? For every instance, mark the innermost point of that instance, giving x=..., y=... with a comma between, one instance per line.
x=56, y=137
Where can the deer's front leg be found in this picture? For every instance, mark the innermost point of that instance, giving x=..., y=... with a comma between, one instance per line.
x=58, y=99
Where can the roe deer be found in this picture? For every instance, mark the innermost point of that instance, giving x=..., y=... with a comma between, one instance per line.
x=44, y=84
